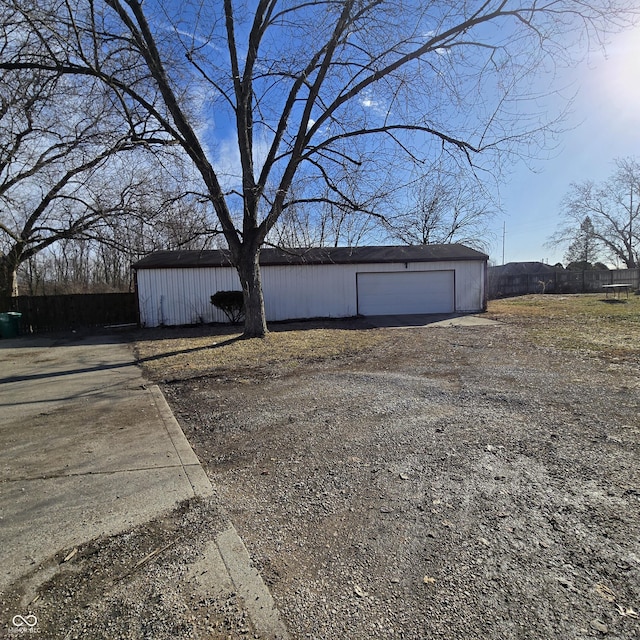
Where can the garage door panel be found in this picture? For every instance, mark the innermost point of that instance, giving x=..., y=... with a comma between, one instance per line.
x=405, y=292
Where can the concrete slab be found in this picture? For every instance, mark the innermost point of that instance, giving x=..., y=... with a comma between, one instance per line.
x=227, y=556
x=427, y=320
x=465, y=321
x=87, y=448
x=42, y=516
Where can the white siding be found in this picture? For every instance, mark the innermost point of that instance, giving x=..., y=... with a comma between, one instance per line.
x=182, y=296
x=309, y=291
x=470, y=285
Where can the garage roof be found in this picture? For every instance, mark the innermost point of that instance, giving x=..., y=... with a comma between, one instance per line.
x=313, y=255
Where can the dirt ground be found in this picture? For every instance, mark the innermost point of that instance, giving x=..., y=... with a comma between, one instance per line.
x=449, y=483
x=454, y=483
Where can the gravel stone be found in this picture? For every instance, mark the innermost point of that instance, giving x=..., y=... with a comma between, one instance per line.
x=455, y=483
x=506, y=474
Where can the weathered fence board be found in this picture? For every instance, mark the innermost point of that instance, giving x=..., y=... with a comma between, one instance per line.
x=42, y=314
x=560, y=282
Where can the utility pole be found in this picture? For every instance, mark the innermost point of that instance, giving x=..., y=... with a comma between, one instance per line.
x=504, y=233
x=632, y=263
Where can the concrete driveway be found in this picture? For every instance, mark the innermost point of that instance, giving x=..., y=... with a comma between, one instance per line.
x=86, y=448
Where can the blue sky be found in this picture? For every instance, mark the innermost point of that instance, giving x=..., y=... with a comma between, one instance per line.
x=604, y=124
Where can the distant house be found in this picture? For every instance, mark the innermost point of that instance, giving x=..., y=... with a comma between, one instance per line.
x=175, y=287
x=517, y=278
x=522, y=268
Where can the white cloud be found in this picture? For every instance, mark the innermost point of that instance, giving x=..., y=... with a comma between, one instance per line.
x=368, y=102
x=227, y=162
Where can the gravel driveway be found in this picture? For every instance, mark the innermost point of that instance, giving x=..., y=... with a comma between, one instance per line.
x=457, y=483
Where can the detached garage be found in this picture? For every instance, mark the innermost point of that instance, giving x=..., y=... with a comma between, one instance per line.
x=175, y=287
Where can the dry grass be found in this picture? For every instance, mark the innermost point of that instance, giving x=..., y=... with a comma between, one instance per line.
x=170, y=354
x=584, y=322
x=587, y=322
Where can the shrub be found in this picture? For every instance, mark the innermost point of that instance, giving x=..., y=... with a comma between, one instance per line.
x=231, y=303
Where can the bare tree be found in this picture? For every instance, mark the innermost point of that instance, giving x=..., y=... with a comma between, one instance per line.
x=323, y=225
x=611, y=211
x=309, y=86
x=317, y=220
x=99, y=259
x=74, y=173
x=61, y=167
x=444, y=206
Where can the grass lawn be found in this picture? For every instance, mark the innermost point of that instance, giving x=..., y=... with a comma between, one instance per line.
x=585, y=322
x=168, y=354
x=589, y=322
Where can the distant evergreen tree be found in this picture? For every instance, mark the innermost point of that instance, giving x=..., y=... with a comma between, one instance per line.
x=585, y=247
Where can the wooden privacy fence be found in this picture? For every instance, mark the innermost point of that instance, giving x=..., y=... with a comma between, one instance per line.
x=502, y=286
x=41, y=314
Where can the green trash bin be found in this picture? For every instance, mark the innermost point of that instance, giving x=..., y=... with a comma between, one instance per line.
x=10, y=324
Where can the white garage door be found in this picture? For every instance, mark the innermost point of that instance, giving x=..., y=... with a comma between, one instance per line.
x=403, y=292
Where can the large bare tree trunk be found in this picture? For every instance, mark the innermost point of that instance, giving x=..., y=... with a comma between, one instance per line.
x=255, y=323
x=8, y=277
